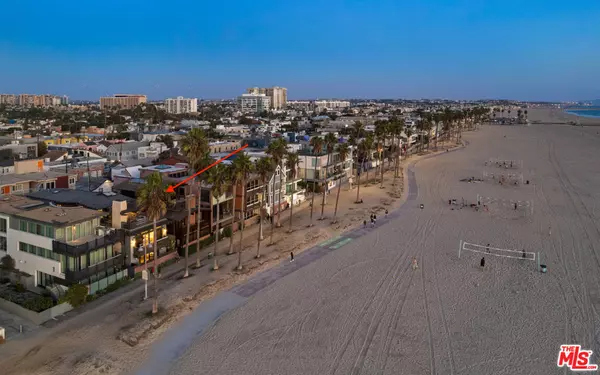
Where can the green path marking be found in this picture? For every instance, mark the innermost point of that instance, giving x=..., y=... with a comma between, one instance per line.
x=341, y=243
x=325, y=243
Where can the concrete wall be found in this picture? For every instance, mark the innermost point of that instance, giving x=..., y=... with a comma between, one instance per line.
x=32, y=316
x=31, y=263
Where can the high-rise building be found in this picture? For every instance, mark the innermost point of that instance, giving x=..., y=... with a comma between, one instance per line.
x=9, y=99
x=123, y=101
x=254, y=103
x=278, y=95
x=181, y=105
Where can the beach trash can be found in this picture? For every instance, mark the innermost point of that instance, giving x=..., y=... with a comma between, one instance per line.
x=543, y=268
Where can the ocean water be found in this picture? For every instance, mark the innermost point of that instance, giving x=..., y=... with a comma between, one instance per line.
x=591, y=112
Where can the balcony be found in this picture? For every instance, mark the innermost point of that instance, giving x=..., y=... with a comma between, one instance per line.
x=76, y=248
x=75, y=276
x=141, y=222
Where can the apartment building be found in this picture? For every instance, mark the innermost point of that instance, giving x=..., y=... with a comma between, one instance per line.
x=314, y=168
x=278, y=95
x=29, y=175
x=9, y=99
x=224, y=146
x=321, y=105
x=181, y=105
x=254, y=103
x=59, y=245
x=122, y=101
x=125, y=151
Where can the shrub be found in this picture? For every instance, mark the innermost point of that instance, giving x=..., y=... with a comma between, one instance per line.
x=227, y=232
x=19, y=287
x=7, y=262
x=76, y=295
x=117, y=284
x=38, y=304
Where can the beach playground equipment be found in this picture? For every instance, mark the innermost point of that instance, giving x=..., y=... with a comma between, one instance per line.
x=467, y=247
x=506, y=164
x=523, y=207
x=508, y=179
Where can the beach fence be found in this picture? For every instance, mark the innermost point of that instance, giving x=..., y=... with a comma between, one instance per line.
x=504, y=163
x=525, y=206
x=504, y=178
x=467, y=247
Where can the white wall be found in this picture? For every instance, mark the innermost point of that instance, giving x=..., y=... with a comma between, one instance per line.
x=28, y=262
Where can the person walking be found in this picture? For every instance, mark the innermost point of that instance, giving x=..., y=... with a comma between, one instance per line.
x=414, y=264
x=365, y=223
x=291, y=256
x=524, y=255
x=487, y=248
x=482, y=263
x=386, y=212
x=374, y=219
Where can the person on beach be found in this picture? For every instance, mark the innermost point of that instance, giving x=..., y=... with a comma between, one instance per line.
x=386, y=212
x=524, y=255
x=482, y=263
x=365, y=223
x=291, y=256
x=372, y=222
x=515, y=206
x=549, y=231
x=374, y=219
x=487, y=248
x=415, y=265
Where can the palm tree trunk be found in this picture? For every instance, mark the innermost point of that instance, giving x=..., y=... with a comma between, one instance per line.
x=337, y=199
x=436, y=136
x=325, y=186
x=155, y=302
x=291, y=213
x=215, y=263
x=199, y=224
x=312, y=200
x=230, y=251
x=260, y=223
x=279, y=202
x=368, y=159
x=273, y=212
x=243, y=217
x=382, y=163
x=187, y=235
x=358, y=185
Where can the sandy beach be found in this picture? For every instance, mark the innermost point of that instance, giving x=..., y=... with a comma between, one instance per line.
x=559, y=116
x=362, y=309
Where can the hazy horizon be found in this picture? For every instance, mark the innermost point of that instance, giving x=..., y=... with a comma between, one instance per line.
x=537, y=51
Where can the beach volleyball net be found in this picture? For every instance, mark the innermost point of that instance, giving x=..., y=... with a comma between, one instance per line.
x=467, y=247
x=503, y=178
x=504, y=163
x=523, y=207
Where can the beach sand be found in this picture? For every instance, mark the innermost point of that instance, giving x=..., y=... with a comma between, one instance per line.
x=362, y=309
x=558, y=116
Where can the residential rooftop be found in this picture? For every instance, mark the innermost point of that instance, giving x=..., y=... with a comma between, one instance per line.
x=95, y=201
x=12, y=178
x=39, y=211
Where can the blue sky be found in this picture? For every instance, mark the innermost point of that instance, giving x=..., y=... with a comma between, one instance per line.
x=462, y=49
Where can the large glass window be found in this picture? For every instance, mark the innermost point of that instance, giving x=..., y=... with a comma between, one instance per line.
x=23, y=225
x=60, y=233
x=109, y=251
x=49, y=231
x=3, y=243
x=3, y=225
x=31, y=227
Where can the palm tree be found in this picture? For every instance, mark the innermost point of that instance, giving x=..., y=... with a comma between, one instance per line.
x=343, y=151
x=381, y=133
x=243, y=167
x=235, y=175
x=360, y=157
x=195, y=147
x=291, y=163
x=277, y=150
x=368, y=147
x=437, y=118
x=330, y=142
x=218, y=178
x=357, y=132
x=154, y=201
x=317, y=149
x=265, y=168
x=408, y=132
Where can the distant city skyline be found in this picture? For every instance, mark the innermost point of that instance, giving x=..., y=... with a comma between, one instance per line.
x=537, y=50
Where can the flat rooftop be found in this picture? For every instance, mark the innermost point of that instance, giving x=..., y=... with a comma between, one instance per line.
x=39, y=211
x=13, y=178
x=165, y=168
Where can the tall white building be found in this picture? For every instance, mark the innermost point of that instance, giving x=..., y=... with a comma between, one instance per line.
x=254, y=103
x=277, y=94
x=181, y=105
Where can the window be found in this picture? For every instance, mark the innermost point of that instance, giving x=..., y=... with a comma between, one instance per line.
x=31, y=227
x=3, y=225
x=39, y=230
x=23, y=225
x=3, y=243
x=109, y=251
x=60, y=233
x=49, y=231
